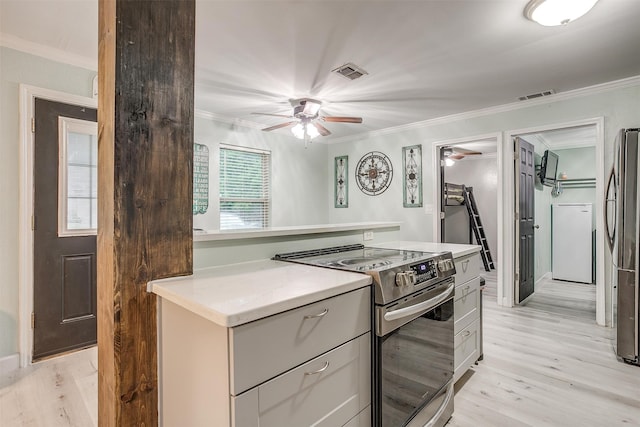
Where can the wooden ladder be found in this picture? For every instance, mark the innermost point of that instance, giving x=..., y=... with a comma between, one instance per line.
x=476, y=226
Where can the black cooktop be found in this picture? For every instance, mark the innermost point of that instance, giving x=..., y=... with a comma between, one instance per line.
x=355, y=257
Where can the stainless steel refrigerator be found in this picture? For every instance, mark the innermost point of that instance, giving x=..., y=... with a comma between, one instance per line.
x=623, y=225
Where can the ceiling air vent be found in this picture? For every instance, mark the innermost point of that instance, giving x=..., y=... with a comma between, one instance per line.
x=537, y=95
x=350, y=71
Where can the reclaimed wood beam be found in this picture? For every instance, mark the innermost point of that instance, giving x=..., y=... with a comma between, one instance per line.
x=145, y=163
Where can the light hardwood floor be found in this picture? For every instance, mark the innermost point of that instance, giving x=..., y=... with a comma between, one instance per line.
x=545, y=364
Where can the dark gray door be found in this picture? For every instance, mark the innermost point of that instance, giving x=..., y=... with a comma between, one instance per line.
x=64, y=298
x=525, y=187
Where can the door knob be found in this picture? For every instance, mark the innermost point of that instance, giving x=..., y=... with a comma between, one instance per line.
x=536, y=226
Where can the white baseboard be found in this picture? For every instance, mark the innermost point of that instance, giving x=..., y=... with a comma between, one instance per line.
x=545, y=276
x=9, y=363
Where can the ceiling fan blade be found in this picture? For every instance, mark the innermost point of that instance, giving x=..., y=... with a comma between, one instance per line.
x=342, y=119
x=274, y=115
x=281, y=125
x=456, y=156
x=321, y=129
x=465, y=151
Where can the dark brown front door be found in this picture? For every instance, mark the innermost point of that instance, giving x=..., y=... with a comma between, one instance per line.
x=525, y=187
x=64, y=297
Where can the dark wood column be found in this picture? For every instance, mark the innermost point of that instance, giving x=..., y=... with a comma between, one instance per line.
x=145, y=120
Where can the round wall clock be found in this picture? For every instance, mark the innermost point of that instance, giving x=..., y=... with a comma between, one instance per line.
x=374, y=173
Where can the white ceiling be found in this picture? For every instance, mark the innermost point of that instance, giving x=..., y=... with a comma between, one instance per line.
x=425, y=58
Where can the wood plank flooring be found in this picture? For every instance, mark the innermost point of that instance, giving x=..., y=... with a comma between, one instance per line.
x=545, y=364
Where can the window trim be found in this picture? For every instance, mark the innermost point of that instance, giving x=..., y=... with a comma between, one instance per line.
x=266, y=202
x=65, y=126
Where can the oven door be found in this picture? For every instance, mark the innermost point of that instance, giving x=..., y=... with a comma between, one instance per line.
x=413, y=361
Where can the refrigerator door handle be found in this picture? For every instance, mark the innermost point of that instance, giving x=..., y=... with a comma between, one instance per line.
x=611, y=183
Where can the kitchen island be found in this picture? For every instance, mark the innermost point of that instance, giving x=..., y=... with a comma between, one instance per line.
x=255, y=343
x=260, y=342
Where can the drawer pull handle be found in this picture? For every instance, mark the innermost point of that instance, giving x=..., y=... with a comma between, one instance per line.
x=465, y=265
x=466, y=289
x=315, y=316
x=324, y=368
x=466, y=333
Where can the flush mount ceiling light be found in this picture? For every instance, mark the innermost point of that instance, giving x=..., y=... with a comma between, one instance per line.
x=557, y=12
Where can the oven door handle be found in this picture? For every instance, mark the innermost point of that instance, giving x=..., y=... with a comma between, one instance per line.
x=423, y=306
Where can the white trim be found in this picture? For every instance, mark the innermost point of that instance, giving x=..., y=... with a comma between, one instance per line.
x=28, y=94
x=9, y=364
x=222, y=119
x=16, y=43
x=509, y=218
x=65, y=126
x=226, y=146
x=500, y=264
x=589, y=90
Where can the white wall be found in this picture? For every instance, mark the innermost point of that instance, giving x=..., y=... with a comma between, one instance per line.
x=618, y=104
x=578, y=163
x=480, y=173
x=15, y=68
x=299, y=176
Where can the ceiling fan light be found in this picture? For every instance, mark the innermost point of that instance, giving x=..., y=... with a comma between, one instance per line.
x=557, y=12
x=449, y=161
x=301, y=129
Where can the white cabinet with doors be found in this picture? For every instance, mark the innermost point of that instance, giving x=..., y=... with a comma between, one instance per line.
x=466, y=313
x=309, y=365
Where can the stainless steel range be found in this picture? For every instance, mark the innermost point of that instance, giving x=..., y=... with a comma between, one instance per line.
x=413, y=324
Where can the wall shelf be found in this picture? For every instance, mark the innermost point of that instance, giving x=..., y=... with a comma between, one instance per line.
x=200, y=236
x=578, y=183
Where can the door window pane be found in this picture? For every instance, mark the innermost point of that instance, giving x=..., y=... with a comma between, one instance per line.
x=77, y=177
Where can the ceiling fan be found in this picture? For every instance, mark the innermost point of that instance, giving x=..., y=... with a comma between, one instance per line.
x=306, y=116
x=457, y=153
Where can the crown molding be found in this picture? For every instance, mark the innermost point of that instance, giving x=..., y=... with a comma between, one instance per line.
x=47, y=52
x=16, y=43
x=589, y=90
x=223, y=119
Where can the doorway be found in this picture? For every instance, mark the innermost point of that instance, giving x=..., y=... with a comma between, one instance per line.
x=73, y=304
x=563, y=257
x=64, y=228
x=468, y=183
x=602, y=291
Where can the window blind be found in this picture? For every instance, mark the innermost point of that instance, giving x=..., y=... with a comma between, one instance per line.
x=245, y=186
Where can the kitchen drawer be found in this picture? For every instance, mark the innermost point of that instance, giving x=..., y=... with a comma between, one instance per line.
x=266, y=348
x=467, y=345
x=466, y=304
x=327, y=391
x=467, y=267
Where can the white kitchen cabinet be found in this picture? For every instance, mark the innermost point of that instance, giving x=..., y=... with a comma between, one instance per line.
x=466, y=313
x=306, y=366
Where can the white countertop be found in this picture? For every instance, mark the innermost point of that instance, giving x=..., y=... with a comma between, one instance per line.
x=457, y=250
x=240, y=293
x=207, y=235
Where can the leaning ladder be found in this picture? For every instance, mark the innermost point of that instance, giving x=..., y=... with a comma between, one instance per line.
x=478, y=229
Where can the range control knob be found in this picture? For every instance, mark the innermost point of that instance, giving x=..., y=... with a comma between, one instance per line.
x=406, y=278
x=445, y=265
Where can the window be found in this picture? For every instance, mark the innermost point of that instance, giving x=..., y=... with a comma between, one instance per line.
x=245, y=185
x=77, y=177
